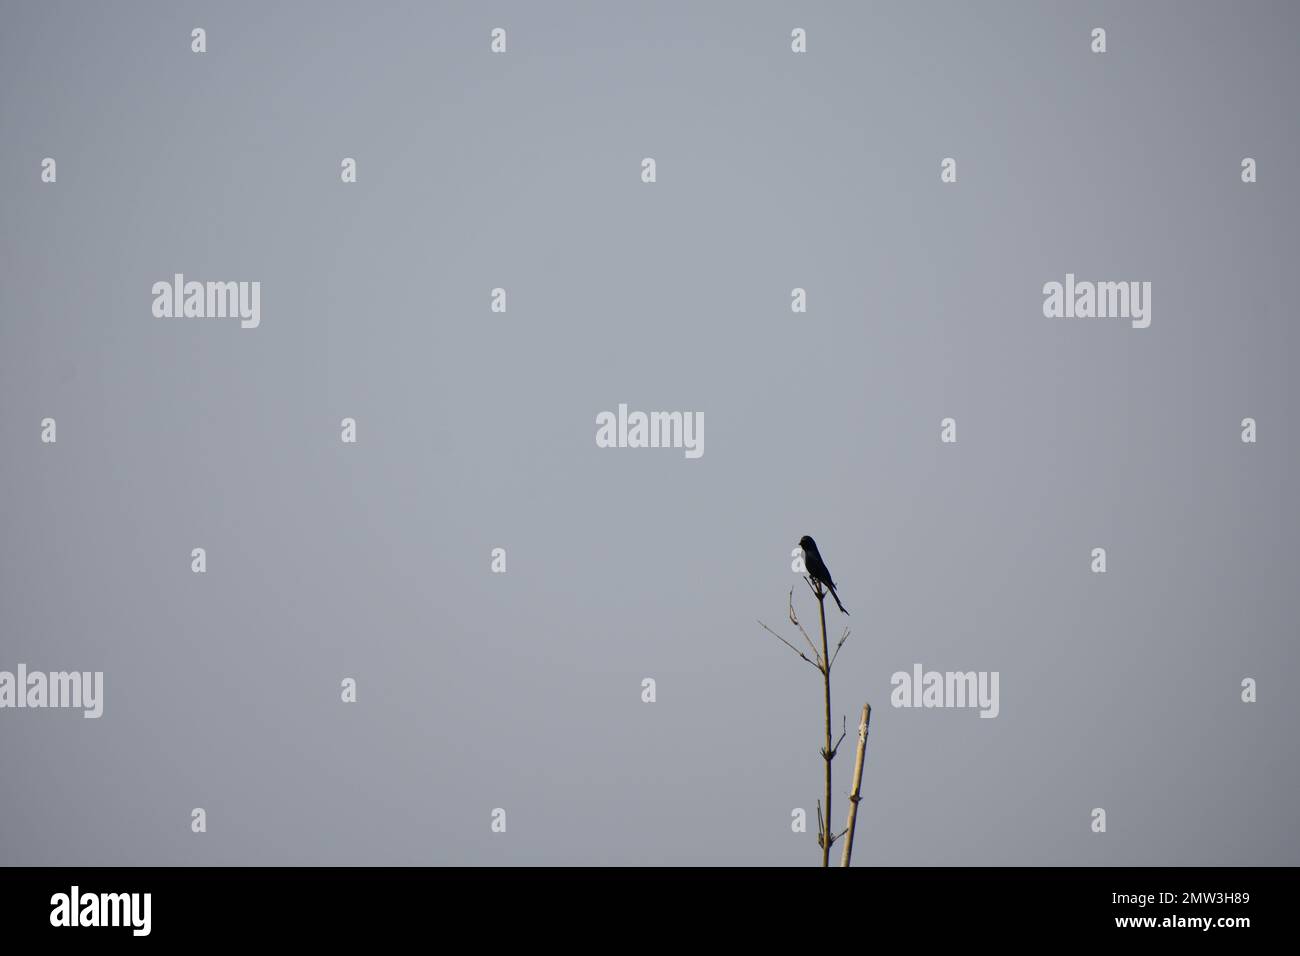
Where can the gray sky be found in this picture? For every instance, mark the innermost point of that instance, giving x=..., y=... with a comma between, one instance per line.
x=476, y=430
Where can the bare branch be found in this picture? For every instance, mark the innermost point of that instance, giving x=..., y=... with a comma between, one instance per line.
x=844, y=638
x=794, y=618
x=844, y=729
x=789, y=645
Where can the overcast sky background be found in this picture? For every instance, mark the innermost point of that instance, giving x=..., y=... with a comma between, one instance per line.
x=476, y=430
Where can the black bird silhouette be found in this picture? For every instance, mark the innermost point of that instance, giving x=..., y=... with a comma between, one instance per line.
x=812, y=560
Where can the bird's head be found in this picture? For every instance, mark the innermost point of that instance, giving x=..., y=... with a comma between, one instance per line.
x=807, y=543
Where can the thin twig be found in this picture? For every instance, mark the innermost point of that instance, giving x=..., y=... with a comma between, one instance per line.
x=794, y=619
x=843, y=733
x=789, y=645
x=839, y=645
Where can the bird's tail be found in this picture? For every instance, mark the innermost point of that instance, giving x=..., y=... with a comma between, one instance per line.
x=837, y=600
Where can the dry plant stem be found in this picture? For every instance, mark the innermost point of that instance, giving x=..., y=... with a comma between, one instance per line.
x=856, y=795
x=829, y=752
x=822, y=661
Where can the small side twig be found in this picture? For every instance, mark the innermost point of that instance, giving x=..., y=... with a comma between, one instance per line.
x=844, y=729
x=794, y=619
x=844, y=637
x=789, y=645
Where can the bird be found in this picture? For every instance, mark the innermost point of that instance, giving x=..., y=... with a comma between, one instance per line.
x=816, y=567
